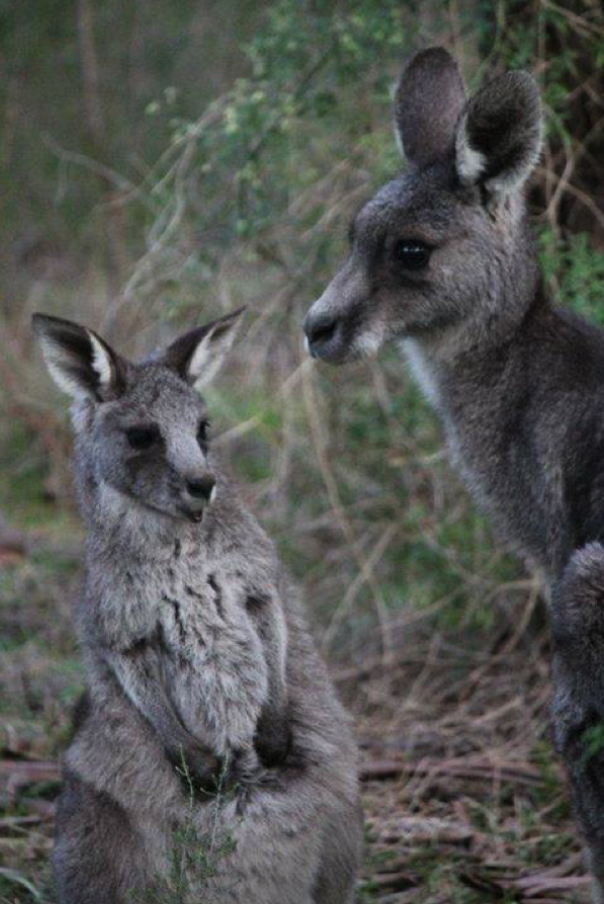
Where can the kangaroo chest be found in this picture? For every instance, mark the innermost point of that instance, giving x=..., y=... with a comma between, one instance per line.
x=512, y=473
x=213, y=661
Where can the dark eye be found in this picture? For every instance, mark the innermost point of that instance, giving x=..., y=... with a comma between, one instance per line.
x=411, y=255
x=203, y=433
x=141, y=438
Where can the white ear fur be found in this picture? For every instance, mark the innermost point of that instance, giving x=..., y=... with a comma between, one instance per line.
x=208, y=357
x=471, y=163
x=101, y=361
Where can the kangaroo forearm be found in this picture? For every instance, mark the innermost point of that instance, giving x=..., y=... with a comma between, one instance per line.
x=273, y=734
x=267, y=611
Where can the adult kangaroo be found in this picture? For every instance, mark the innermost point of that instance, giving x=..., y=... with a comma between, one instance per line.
x=210, y=732
x=442, y=260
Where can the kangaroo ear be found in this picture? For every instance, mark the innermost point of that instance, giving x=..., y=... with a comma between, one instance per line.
x=500, y=134
x=429, y=98
x=198, y=355
x=79, y=361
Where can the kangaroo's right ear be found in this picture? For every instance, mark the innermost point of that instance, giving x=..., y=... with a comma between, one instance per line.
x=499, y=135
x=79, y=361
x=429, y=98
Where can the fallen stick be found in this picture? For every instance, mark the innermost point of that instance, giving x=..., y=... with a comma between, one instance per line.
x=464, y=768
x=18, y=773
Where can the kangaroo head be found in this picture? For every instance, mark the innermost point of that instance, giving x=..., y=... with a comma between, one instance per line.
x=446, y=241
x=142, y=428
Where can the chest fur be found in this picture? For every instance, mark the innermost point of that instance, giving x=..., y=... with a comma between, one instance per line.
x=214, y=664
x=492, y=445
x=423, y=371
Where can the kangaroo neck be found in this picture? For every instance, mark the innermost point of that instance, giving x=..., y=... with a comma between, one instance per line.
x=118, y=525
x=463, y=353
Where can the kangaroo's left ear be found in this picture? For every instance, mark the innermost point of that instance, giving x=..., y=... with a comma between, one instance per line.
x=198, y=355
x=500, y=133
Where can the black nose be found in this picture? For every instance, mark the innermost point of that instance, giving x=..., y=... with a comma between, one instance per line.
x=320, y=329
x=202, y=487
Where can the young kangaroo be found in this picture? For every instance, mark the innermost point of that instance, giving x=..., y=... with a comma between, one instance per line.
x=202, y=675
x=442, y=259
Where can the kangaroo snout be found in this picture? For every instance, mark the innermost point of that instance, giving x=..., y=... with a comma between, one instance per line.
x=336, y=323
x=201, y=488
x=198, y=492
x=324, y=337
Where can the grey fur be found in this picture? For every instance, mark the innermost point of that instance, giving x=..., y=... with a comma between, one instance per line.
x=578, y=704
x=517, y=382
x=196, y=650
x=431, y=80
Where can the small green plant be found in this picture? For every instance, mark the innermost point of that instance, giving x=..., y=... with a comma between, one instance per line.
x=196, y=857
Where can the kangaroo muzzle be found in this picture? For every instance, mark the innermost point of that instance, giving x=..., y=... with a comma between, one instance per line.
x=333, y=324
x=324, y=336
